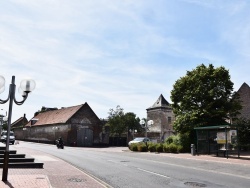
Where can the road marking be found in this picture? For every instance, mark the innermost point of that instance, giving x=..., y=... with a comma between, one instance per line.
x=200, y=169
x=113, y=161
x=152, y=173
x=118, y=162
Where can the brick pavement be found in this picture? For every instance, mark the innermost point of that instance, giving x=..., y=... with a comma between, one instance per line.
x=60, y=174
x=55, y=174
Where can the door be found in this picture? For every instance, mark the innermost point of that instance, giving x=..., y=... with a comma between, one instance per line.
x=84, y=137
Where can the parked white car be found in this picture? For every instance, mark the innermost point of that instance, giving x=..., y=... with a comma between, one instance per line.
x=139, y=140
x=4, y=137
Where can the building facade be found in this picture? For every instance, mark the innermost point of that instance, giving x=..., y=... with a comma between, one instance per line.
x=77, y=125
x=20, y=123
x=162, y=114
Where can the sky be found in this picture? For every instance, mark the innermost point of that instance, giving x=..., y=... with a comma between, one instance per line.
x=117, y=52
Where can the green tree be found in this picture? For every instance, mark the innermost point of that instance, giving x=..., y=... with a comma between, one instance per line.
x=244, y=133
x=115, y=120
x=131, y=121
x=203, y=97
x=120, y=122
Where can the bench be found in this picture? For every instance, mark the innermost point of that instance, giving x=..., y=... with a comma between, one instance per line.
x=221, y=151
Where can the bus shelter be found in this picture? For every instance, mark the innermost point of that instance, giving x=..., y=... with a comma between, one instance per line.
x=217, y=139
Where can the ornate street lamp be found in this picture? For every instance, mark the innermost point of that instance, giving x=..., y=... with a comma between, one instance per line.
x=26, y=86
x=146, y=125
x=133, y=132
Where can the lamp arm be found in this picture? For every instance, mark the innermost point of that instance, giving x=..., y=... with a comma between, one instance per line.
x=4, y=101
x=21, y=102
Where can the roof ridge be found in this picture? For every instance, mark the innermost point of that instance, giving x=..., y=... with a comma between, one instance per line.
x=161, y=101
x=244, y=85
x=61, y=115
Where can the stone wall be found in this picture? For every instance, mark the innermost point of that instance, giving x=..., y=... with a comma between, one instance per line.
x=163, y=123
x=45, y=133
x=85, y=118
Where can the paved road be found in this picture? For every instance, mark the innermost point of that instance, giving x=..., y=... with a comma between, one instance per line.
x=129, y=169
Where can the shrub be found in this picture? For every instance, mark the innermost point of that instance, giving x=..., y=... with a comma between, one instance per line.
x=173, y=148
x=173, y=139
x=183, y=141
x=133, y=147
x=179, y=149
x=159, y=147
x=166, y=148
x=170, y=139
x=151, y=147
x=142, y=147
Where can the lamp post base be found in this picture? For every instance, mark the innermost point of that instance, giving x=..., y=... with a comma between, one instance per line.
x=5, y=165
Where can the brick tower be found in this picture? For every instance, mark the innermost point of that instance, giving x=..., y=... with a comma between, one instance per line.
x=162, y=114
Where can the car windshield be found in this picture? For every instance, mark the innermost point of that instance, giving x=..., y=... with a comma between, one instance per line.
x=138, y=139
x=5, y=133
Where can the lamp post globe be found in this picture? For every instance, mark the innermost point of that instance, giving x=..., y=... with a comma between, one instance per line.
x=150, y=122
x=27, y=86
x=2, y=81
x=146, y=124
x=142, y=122
x=2, y=89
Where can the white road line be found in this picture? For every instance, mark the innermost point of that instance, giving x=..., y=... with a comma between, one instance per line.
x=139, y=169
x=152, y=173
x=198, y=169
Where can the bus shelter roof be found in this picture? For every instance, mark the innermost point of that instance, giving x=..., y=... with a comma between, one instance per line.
x=215, y=127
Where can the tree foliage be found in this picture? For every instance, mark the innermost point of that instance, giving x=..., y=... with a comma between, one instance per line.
x=244, y=133
x=203, y=97
x=120, y=122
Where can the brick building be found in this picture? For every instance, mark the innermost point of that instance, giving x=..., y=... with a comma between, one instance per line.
x=77, y=125
x=20, y=123
x=162, y=114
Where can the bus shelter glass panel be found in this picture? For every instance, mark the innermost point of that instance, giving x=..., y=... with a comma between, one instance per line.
x=202, y=145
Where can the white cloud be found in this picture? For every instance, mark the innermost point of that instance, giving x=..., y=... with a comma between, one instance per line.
x=121, y=53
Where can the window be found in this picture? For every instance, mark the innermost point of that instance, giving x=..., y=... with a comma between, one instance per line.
x=169, y=120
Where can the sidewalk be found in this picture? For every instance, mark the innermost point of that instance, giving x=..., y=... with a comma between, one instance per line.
x=60, y=174
x=56, y=173
x=232, y=159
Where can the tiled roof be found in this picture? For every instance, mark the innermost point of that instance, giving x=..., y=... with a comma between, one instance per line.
x=161, y=102
x=244, y=93
x=17, y=121
x=21, y=120
x=55, y=116
x=244, y=87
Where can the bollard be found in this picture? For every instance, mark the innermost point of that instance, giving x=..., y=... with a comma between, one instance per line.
x=192, y=149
